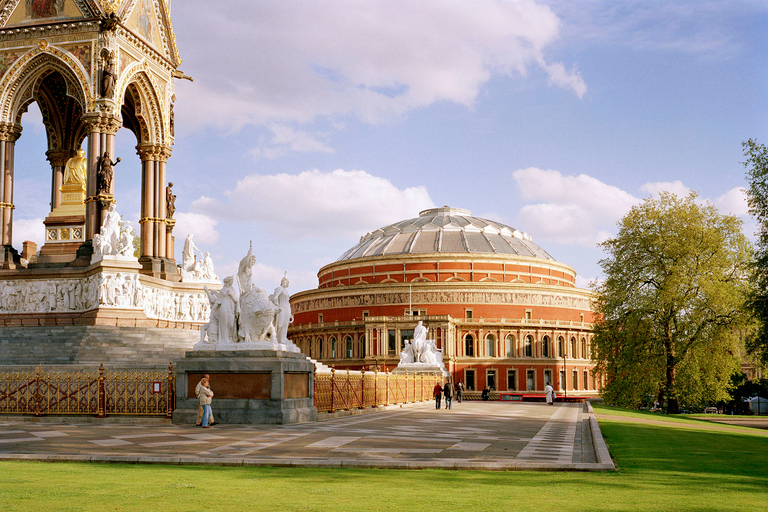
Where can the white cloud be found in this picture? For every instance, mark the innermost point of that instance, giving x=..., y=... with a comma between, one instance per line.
x=293, y=61
x=28, y=229
x=676, y=187
x=733, y=202
x=317, y=204
x=202, y=227
x=560, y=77
x=571, y=209
x=285, y=139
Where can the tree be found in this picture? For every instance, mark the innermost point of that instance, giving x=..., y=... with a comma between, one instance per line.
x=670, y=303
x=757, y=198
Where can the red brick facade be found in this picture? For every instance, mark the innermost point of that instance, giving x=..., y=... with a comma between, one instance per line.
x=501, y=320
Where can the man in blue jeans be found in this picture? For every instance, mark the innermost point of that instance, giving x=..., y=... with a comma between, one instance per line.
x=448, y=393
x=437, y=391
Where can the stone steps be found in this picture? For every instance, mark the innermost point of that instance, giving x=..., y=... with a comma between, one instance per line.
x=114, y=346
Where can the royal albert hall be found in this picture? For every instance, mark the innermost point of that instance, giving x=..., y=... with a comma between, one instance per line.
x=504, y=312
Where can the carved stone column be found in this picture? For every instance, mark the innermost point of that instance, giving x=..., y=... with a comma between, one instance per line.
x=9, y=134
x=101, y=138
x=154, y=235
x=58, y=159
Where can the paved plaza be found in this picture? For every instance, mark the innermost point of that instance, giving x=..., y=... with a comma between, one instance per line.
x=473, y=435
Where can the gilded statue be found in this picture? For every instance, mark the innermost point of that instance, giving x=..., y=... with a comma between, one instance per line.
x=76, y=169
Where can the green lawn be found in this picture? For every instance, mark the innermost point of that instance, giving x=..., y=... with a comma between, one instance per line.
x=675, y=466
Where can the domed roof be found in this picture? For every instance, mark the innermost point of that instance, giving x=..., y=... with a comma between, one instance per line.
x=445, y=230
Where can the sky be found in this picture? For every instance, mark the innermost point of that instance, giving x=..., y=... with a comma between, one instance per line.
x=311, y=123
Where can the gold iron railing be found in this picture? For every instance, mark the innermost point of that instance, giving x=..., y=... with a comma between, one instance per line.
x=344, y=390
x=42, y=392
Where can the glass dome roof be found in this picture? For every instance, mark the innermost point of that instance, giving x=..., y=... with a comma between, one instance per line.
x=445, y=230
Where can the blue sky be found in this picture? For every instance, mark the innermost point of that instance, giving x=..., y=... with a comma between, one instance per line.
x=311, y=123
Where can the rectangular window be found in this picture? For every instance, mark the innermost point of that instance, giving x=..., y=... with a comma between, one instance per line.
x=319, y=318
x=547, y=377
x=511, y=380
x=575, y=379
x=365, y=314
x=467, y=313
x=561, y=381
x=469, y=377
x=391, y=342
x=530, y=380
x=528, y=314
x=490, y=379
x=594, y=383
x=586, y=380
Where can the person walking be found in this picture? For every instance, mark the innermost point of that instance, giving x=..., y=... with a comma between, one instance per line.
x=199, y=421
x=437, y=392
x=206, y=395
x=550, y=392
x=459, y=390
x=448, y=392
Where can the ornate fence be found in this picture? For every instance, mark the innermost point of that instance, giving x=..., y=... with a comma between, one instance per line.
x=343, y=390
x=41, y=392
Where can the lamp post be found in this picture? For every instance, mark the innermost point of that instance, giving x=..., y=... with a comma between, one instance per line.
x=565, y=375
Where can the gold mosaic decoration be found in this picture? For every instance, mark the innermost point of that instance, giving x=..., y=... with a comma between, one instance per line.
x=111, y=6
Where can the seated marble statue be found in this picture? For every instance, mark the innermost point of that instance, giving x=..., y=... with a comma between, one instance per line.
x=257, y=311
x=211, y=329
x=406, y=355
x=126, y=242
x=76, y=169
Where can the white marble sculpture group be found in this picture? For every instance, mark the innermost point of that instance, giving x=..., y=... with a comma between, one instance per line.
x=421, y=354
x=111, y=242
x=194, y=269
x=246, y=318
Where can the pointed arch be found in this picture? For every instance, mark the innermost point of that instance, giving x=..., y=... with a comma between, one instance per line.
x=143, y=106
x=22, y=81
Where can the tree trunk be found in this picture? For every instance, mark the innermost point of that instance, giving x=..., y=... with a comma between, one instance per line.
x=673, y=406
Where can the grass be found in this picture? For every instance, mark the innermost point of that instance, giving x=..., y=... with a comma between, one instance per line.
x=673, y=466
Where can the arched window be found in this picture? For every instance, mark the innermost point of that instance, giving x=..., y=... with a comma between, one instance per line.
x=560, y=346
x=348, y=347
x=333, y=347
x=528, y=346
x=584, y=348
x=510, y=342
x=490, y=345
x=309, y=347
x=320, y=351
x=362, y=346
x=469, y=345
x=574, y=352
x=545, y=347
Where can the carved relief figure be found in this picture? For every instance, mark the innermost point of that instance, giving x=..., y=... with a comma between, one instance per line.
x=76, y=169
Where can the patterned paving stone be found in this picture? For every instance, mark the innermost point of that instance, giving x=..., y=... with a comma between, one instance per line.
x=471, y=435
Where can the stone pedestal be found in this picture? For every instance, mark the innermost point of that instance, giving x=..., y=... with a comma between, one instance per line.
x=65, y=226
x=253, y=387
x=418, y=368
